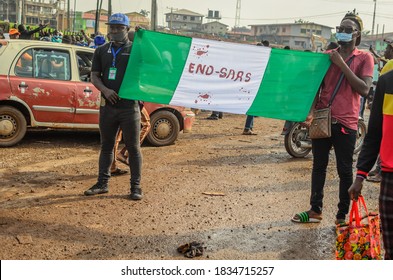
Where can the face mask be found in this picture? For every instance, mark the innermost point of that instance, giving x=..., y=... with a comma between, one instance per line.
x=344, y=37
x=118, y=37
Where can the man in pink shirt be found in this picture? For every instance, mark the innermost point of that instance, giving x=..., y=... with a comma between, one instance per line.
x=345, y=111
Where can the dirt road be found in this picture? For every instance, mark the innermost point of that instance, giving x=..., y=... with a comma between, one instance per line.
x=234, y=193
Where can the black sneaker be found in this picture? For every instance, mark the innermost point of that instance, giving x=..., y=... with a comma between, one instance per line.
x=97, y=189
x=136, y=193
x=212, y=117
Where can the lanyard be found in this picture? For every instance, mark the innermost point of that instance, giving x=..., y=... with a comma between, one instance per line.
x=114, y=54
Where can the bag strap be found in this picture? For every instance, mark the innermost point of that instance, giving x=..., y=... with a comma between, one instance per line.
x=355, y=211
x=339, y=83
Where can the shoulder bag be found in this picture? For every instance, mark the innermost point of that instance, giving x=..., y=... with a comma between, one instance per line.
x=321, y=126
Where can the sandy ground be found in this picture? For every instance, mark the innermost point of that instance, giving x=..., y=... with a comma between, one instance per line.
x=234, y=193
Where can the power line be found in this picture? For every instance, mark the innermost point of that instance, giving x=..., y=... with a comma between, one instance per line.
x=290, y=18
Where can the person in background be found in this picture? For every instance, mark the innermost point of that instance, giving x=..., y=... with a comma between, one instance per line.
x=122, y=156
x=378, y=140
x=98, y=41
x=89, y=40
x=14, y=33
x=109, y=66
x=249, y=125
x=389, y=58
x=345, y=115
x=67, y=39
x=376, y=174
x=26, y=34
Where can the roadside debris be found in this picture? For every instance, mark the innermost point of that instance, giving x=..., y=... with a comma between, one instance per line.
x=191, y=250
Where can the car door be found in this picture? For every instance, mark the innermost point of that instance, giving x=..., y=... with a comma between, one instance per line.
x=41, y=78
x=87, y=96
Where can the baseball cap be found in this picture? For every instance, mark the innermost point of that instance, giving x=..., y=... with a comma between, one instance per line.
x=14, y=31
x=119, y=18
x=99, y=40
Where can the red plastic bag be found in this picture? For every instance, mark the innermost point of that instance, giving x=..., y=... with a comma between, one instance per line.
x=357, y=240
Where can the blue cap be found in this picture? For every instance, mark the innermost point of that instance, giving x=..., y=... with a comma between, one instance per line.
x=99, y=40
x=119, y=18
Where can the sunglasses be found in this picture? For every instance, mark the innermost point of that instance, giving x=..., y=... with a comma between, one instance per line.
x=343, y=29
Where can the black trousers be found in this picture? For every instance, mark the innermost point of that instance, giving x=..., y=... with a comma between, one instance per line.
x=343, y=141
x=127, y=117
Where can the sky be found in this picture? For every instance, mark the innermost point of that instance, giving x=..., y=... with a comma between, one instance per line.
x=326, y=12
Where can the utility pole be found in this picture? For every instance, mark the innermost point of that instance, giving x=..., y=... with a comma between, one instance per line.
x=153, y=19
x=237, y=17
x=68, y=15
x=375, y=7
x=109, y=8
x=8, y=7
x=74, y=22
x=98, y=15
x=171, y=19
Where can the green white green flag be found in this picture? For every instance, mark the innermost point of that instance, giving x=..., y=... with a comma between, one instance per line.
x=222, y=76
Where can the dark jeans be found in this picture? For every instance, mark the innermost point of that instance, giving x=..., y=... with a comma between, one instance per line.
x=343, y=140
x=249, y=122
x=127, y=117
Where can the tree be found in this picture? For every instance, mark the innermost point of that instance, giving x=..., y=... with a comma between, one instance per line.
x=145, y=13
x=301, y=21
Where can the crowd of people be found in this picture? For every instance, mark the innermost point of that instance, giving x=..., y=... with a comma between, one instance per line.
x=43, y=33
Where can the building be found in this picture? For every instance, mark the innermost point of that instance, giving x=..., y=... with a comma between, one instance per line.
x=137, y=19
x=296, y=35
x=376, y=41
x=215, y=28
x=184, y=20
x=88, y=22
x=34, y=12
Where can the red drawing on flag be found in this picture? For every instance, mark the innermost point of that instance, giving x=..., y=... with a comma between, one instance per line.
x=204, y=98
x=201, y=51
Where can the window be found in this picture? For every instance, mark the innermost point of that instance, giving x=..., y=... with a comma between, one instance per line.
x=24, y=65
x=184, y=17
x=303, y=31
x=192, y=18
x=84, y=65
x=49, y=64
x=284, y=30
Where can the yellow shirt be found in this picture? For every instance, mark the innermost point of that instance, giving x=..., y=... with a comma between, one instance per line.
x=388, y=67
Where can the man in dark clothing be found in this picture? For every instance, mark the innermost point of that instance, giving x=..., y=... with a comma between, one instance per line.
x=26, y=34
x=379, y=139
x=109, y=65
x=356, y=82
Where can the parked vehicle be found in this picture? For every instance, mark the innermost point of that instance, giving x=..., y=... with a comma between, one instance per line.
x=44, y=84
x=298, y=143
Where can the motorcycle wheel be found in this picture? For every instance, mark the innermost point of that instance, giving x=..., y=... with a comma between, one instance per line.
x=295, y=134
x=361, y=133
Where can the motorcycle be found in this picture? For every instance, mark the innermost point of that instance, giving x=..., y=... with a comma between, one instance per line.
x=298, y=143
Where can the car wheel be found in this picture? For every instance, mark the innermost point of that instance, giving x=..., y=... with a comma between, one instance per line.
x=164, y=130
x=12, y=126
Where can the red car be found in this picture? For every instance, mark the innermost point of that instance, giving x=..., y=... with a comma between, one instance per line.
x=44, y=84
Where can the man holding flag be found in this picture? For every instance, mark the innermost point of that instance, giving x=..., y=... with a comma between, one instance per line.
x=357, y=68
x=109, y=64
